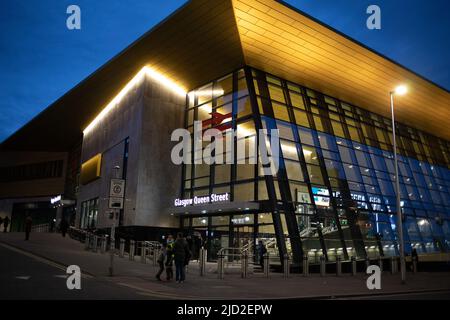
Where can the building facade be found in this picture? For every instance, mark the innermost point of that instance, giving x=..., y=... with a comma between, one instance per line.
x=336, y=176
x=243, y=66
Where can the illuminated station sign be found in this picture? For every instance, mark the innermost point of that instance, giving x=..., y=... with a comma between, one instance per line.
x=212, y=198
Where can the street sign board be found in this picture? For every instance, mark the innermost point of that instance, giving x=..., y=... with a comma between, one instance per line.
x=115, y=203
x=117, y=188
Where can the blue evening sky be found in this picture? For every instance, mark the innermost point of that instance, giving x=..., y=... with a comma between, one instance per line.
x=40, y=59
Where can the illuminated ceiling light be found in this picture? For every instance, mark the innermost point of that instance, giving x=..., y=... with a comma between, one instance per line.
x=215, y=93
x=401, y=90
x=422, y=222
x=145, y=71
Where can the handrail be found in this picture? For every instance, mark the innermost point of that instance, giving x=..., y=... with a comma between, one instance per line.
x=44, y=227
x=271, y=242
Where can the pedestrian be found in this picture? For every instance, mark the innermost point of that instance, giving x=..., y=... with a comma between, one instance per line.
x=169, y=258
x=5, y=224
x=161, y=259
x=261, y=252
x=28, y=223
x=197, y=246
x=414, y=255
x=63, y=226
x=52, y=225
x=181, y=255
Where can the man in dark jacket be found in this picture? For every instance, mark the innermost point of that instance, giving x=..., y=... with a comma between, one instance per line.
x=63, y=226
x=181, y=255
x=169, y=258
x=262, y=250
x=5, y=224
x=28, y=223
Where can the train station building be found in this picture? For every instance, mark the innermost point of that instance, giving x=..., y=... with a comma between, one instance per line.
x=242, y=66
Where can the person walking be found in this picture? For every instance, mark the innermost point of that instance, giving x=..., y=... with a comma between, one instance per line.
x=63, y=226
x=161, y=259
x=169, y=258
x=5, y=224
x=261, y=252
x=414, y=255
x=28, y=223
x=181, y=256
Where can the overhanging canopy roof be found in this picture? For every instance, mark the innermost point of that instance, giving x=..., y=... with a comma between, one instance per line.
x=205, y=39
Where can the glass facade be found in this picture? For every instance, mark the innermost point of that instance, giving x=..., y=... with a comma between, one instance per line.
x=334, y=192
x=89, y=213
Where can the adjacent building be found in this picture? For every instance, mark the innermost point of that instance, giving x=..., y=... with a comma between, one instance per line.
x=242, y=66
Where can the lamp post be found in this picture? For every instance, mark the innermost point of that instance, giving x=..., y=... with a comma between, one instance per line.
x=401, y=90
x=113, y=231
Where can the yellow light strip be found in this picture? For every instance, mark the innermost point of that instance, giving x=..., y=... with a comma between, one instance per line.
x=145, y=71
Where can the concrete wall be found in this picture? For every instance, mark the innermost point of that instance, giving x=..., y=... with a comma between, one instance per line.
x=108, y=138
x=159, y=179
x=147, y=116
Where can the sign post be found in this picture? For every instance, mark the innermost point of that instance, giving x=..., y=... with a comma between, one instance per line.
x=116, y=194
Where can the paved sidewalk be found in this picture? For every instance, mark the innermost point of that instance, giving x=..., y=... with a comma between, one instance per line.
x=141, y=277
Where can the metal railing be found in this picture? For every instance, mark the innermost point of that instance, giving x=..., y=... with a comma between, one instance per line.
x=44, y=227
x=243, y=257
x=230, y=256
x=146, y=250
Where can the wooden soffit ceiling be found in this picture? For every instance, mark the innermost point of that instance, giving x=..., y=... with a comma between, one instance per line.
x=206, y=39
x=283, y=41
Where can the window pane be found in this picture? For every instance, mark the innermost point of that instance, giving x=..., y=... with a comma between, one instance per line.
x=244, y=192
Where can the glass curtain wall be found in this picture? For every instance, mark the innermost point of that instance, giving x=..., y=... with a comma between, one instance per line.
x=338, y=164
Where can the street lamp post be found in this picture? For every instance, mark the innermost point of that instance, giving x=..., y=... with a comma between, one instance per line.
x=399, y=91
x=112, y=248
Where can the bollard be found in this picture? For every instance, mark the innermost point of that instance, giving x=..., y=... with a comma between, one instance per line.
x=202, y=261
x=367, y=262
x=393, y=265
x=338, y=266
x=103, y=246
x=95, y=245
x=244, y=265
x=322, y=266
x=380, y=263
x=305, y=266
x=353, y=259
x=266, y=265
x=414, y=264
x=286, y=266
x=87, y=241
x=122, y=248
x=220, y=265
x=131, y=253
x=143, y=253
